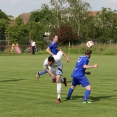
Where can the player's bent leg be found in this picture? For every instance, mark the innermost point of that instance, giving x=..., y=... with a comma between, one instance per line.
x=43, y=72
x=53, y=80
x=64, y=81
x=40, y=73
x=61, y=80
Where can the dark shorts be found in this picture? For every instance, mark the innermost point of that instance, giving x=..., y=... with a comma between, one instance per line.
x=80, y=80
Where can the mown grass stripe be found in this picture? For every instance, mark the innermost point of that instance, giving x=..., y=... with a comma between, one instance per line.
x=21, y=95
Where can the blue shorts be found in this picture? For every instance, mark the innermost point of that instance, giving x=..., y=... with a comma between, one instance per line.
x=80, y=80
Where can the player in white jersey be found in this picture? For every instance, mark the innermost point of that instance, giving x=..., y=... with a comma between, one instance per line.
x=53, y=66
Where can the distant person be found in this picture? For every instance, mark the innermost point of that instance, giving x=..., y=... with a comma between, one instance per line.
x=78, y=76
x=33, y=46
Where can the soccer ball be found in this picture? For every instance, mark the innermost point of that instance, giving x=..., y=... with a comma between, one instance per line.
x=90, y=44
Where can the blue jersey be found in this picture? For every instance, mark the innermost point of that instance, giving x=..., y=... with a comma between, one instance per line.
x=53, y=47
x=79, y=71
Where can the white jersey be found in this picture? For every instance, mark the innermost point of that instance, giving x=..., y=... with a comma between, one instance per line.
x=57, y=62
x=33, y=43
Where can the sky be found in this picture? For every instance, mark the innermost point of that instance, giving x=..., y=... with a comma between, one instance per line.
x=17, y=7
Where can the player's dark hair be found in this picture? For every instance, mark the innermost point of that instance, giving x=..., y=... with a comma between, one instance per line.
x=88, y=52
x=51, y=59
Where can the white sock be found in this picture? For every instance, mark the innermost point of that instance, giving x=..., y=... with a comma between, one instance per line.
x=59, y=96
x=62, y=80
x=59, y=86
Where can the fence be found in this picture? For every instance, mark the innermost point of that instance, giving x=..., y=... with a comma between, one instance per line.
x=21, y=49
x=7, y=49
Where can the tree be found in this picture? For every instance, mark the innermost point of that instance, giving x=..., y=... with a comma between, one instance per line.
x=66, y=35
x=79, y=11
x=38, y=23
x=59, y=12
x=88, y=29
x=40, y=15
x=106, y=24
x=35, y=16
x=18, y=31
x=3, y=15
x=3, y=26
x=3, y=22
x=71, y=12
x=36, y=30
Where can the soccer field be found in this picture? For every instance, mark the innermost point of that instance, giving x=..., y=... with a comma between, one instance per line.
x=21, y=95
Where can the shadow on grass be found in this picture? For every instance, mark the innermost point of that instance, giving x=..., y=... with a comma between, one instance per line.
x=74, y=98
x=114, y=90
x=99, y=97
x=12, y=80
x=91, y=97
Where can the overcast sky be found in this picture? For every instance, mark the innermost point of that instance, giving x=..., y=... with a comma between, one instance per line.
x=16, y=7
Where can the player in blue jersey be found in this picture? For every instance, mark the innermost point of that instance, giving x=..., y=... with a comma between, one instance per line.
x=53, y=47
x=78, y=75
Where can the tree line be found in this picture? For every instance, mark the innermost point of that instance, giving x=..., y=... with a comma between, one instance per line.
x=71, y=20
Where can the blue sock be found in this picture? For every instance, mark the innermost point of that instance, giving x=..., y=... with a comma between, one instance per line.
x=86, y=95
x=42, y=72
x=70, y=92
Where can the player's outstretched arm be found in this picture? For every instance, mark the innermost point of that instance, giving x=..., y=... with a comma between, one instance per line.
x=67, y=58
x=88, y=67
x=65, y=55
x=48, y=50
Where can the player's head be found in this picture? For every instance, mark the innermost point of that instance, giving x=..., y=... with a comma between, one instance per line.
x=88, y=53
x=55, y=39
x=50, y=60
x=31, y=40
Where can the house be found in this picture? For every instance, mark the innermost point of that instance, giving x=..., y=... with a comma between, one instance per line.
x=25, y=17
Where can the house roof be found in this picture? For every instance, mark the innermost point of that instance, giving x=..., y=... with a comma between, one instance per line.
x=94, y=13
x=25, y=17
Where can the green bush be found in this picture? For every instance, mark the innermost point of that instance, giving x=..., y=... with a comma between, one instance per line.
x=109, y=51
x=102, y=49
x=2, y=45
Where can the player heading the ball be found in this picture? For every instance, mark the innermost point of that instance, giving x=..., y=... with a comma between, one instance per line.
x=78, y=75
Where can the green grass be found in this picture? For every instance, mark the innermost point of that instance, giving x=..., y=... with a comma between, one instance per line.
x=21, y=95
